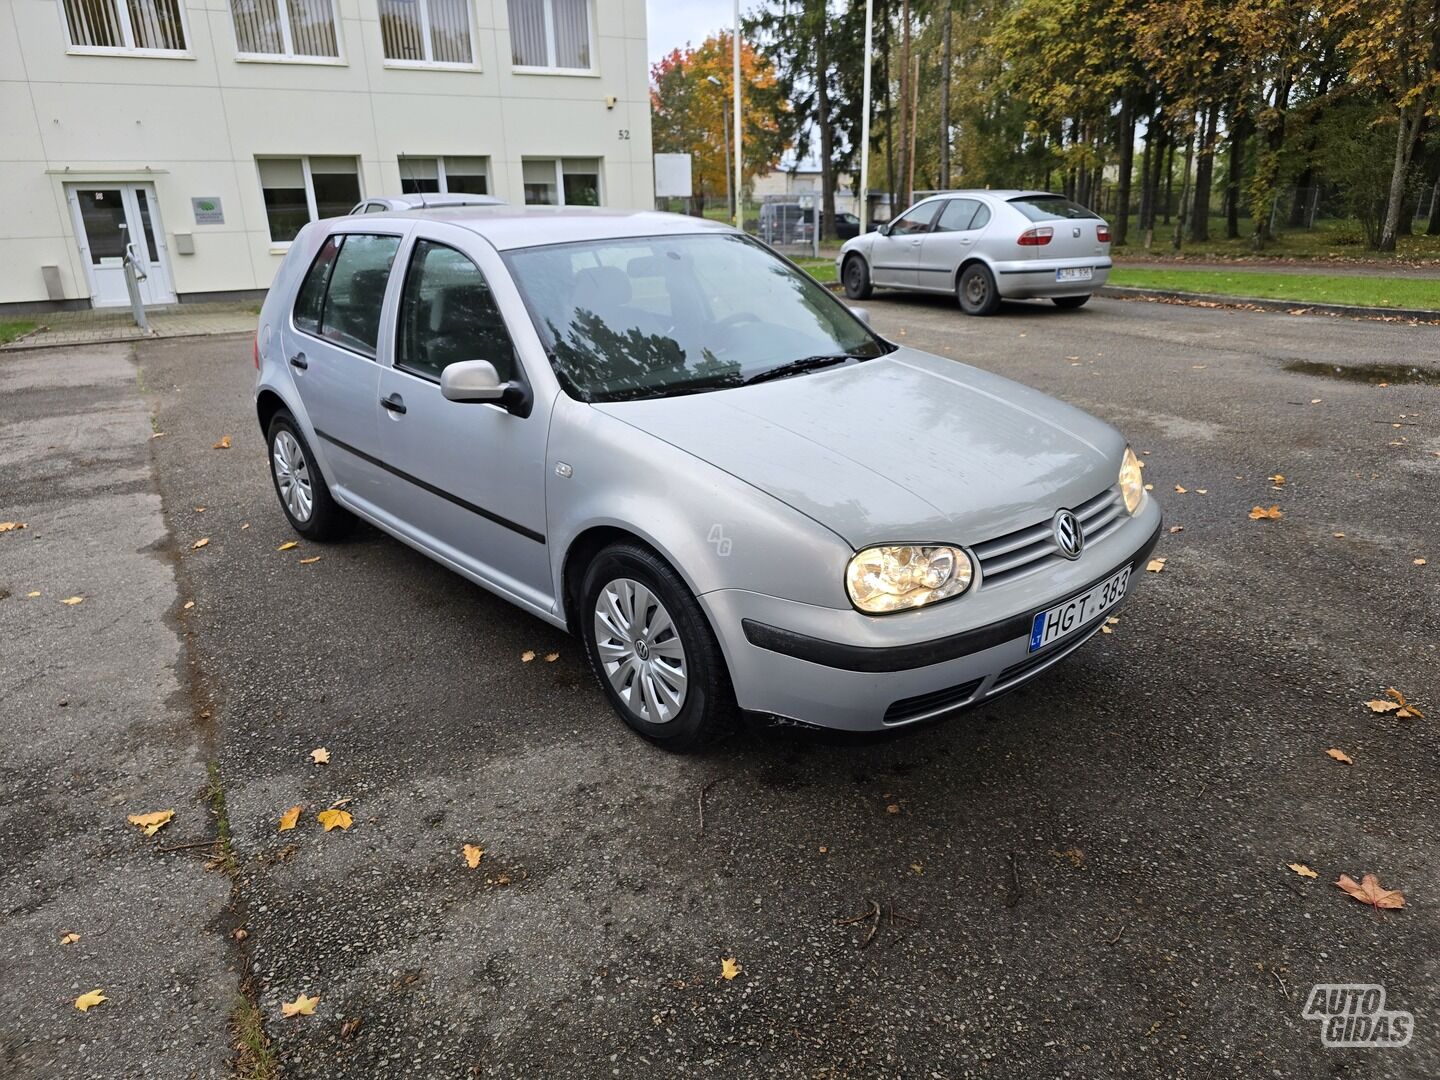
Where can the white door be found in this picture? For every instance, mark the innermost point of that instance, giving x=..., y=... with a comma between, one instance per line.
x=109, y=218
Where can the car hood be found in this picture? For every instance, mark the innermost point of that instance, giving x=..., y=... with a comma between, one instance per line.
x=905, y=447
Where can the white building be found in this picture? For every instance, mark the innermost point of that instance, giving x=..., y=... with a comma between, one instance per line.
x=205, y=132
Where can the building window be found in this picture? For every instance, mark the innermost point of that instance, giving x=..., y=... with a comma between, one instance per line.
x=562, y=182
x=301, y=190
x=427, y=32
x=551, y=34
x=452, y=175
x=132, y=26
x=298, y=28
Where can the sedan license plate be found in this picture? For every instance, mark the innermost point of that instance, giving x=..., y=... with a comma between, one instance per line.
x=1064, y=619
x=1075, y=273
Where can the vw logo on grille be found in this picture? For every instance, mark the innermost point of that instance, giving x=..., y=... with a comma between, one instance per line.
x=1069, y=536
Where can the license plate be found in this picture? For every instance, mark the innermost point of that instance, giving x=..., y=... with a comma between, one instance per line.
x=1064, y=619
x=1074, y=273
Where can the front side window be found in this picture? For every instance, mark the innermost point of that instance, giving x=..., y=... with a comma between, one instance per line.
x=457, y=175
x=300, y=190
x=655, y=316
x=915, y=220
x=427, y=32
x=448, y=314
x=562, y=182
x=350, y=315
x=126, y=25
x=294, y=28
x=553, y=34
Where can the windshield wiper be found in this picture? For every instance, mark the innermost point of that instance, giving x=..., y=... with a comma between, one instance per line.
x=795, y=367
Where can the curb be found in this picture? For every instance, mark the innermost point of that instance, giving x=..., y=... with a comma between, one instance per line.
x=1130, y=292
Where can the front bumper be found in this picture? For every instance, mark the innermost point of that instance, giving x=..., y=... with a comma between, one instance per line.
x=821, y=678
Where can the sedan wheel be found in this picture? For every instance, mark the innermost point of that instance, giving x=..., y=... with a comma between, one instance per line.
x=640, y=651
x=303, y=493
x=976, y=290
x=856, y=278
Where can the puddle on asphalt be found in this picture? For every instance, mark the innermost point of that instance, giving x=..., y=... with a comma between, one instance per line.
x=1368, y=373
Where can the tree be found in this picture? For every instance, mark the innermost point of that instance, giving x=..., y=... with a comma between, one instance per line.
x=689, y=112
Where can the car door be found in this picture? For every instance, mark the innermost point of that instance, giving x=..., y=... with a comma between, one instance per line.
x=948, y=243
x=330, y=344
x=895, y=254
x=473, y=473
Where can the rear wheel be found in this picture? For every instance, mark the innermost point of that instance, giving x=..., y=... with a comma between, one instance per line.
x=856, y=278
x=303, y=493
x=1071, y=301
x=652, y=649
x=976, y=290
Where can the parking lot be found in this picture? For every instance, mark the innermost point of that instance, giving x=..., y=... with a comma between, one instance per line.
x=1088, y=877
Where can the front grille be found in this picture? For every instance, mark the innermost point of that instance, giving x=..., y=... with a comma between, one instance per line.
x=1026, y=550
x=931, y=704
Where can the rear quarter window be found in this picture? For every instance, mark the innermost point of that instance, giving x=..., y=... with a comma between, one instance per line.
x=1050, y=208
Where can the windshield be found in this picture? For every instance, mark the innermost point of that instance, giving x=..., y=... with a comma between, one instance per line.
x=1050, y=207
x=653, y=316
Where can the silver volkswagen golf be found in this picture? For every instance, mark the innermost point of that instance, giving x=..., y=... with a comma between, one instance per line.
x=984, y=247
x=652, y=431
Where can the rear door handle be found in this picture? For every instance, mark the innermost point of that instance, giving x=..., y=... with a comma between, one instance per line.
x=299, y=362
x=394, y=402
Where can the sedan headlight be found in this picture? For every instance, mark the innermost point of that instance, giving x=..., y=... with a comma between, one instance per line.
x=893, y=578
x=1132, y=480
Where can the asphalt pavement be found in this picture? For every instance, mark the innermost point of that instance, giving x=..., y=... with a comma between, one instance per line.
x=1087, y=878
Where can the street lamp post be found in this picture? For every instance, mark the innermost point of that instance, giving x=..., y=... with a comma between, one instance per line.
x=735, y=75
x=865, y=123
x=724, y=141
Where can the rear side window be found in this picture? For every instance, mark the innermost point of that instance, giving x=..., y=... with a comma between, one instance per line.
x=1050, y=208
x=982, y=217
x=311, y=299
x=449, y=314
x=351, y=315
x=957, y=215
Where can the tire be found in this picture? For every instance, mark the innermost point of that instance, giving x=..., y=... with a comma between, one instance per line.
x=675, y=637
x=855, y=276
x=976, y=290
x=1070, y=302
x=298, y=481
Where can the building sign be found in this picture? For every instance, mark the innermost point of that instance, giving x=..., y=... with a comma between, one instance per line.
x=208, y=211
x=672, y=176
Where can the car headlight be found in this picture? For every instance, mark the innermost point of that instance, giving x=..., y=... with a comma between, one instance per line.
x=1132, y=480
x=901, y=576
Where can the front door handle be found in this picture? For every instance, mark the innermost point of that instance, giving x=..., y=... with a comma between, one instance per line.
x=394, y=402
x=299, y=362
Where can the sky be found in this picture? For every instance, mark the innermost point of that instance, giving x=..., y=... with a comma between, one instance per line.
x=674, y=22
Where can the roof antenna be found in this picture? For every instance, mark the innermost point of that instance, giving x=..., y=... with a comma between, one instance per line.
x=404, y=163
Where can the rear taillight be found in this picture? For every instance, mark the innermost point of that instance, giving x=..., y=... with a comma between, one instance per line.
x=1036, y=237
x=1102, y=233
x=257, y=350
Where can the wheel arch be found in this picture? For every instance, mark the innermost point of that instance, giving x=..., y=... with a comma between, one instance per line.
x=267, y=404
x=581, y=552
x=969, y=261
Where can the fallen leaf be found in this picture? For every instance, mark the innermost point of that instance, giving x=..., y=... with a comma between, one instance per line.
x=1155, y=566
x=527, y=656
x=201, y=542
x=1181, y=490
x=1418, y=562
x=335, y=819
x=551, y=657
x=729, y=968
x=919, y=868
x=240, y=933
x=1406, y=709
x=69, y=939
x=1075, y=856
x=223, y=444
x=189, y=604
x=1277, y=479
x=301, y=1006
x=1177, y=528
x=34, y=594
x=312, y=559
x=73, y=600
x=245, y=526
x=199, y=509
x=1314, y=401
x=1106, y=630
x=1380, y=705
x=1149, y=487
x=288, y=544
x=320, y=756
x=150, y=824
x=1338, y=536
x=1261, y=514
x=1202, y=491
x=472, y=855
x=289, y=819
x=158, y=435
x=86, y=1002
x=1340, y=755
x=349, y=1027
x=1370, y=892
x=893, y=808
x=12, y=526
x=1303, y=870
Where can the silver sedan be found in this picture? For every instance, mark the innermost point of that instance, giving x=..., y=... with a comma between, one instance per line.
x=651, y=431
x=984, y=247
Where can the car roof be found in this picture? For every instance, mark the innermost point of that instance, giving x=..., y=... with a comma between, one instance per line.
x=997, y=193
x=509, y=227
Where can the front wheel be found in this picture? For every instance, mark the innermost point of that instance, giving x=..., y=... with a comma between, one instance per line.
x=856, y=278
x=1071, y=302
x=652, y=649
x=303, y=493
x=976, y=290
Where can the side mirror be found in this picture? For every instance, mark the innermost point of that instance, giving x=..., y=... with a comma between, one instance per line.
x=863, y=314
x=883, y=228
x=471, y=380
